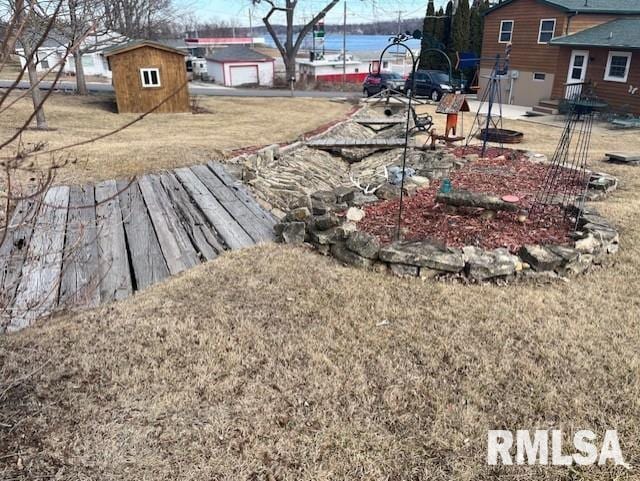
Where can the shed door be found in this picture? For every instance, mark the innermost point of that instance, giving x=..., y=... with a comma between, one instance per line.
x=243, y=75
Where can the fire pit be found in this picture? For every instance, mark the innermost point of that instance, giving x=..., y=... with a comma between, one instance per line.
x=501, y=136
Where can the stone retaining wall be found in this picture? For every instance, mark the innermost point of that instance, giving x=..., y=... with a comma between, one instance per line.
x=328, y=220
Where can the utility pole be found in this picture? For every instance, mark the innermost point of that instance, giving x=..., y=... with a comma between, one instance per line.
x=344, y=46
x=251, y=25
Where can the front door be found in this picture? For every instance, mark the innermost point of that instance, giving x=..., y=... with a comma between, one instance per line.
x=577, y=73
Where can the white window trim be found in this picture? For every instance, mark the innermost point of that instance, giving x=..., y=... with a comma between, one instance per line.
x=157, y=70
x=626, y=73
x=513, y=26
x=553, y=33
x=537, y=79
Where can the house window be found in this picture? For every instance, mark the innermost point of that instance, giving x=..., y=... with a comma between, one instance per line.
x=618, y=66
x=539, y=77
x=44, y=63
x=547, y=30
x=150, y=77
x=506, y=31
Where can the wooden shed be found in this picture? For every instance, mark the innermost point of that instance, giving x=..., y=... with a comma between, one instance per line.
x=147, y=73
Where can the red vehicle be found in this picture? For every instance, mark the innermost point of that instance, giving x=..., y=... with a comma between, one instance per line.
x=377, y=82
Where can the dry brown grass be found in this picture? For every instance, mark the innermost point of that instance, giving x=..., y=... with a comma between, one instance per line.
x=271, y=363
x=163, y=141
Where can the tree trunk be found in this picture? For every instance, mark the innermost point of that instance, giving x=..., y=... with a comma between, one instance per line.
x=81, y=82
x=36, y=95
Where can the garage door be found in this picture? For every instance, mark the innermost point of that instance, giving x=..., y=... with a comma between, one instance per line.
x=242, y=75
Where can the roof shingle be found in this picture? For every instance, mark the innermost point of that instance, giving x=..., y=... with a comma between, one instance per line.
x=620, y=33
x=620, y=7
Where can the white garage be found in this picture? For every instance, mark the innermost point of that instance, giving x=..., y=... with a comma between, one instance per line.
x=239, y=65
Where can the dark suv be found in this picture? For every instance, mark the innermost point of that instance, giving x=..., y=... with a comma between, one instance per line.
x=431, y=83
x=376, y=82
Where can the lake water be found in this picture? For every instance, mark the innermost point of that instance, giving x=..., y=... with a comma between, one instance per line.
x=355, y=43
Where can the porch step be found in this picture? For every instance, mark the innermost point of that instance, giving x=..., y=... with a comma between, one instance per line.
x=546, y=110
x=550, y=103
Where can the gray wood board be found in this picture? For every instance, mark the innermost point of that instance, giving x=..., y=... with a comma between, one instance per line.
x=37, y=292
x=251, y=224
x=147, y=260
x=233, y=235
x=245, y=196
x=201, y=232
x=115, y=274
x=178, y=251
x=80, y=283
x=13, y=250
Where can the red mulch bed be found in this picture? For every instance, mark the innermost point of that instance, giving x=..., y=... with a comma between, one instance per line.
x=512, y=174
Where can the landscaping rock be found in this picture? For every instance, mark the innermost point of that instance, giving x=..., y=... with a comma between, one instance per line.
x=420, y=181
x=360, y=199
x=326, y=221
x=293, y=233
x=344, y=194
x=403, y=270
x=539, y=257
x=355, y=215
x=423, y=254
x=319, y=207
x=363, y=244
x=325, y=196
x=340, y=252
x=484, y=265
x=587, y=244
x=345, y=230
x=302, y=201
x=602, y=182
x=301, y=214
x=387, y=191
x=329, y=236
x=463, y=198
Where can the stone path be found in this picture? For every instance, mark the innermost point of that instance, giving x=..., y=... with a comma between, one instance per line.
x=82, y=246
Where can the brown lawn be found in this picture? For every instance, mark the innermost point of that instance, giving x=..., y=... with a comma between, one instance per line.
x=162, y=141
x=275, y=363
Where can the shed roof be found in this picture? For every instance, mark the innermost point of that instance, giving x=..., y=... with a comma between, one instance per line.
x=238, y=53
x=134, y=44
x=620, y=7
x=619, y=33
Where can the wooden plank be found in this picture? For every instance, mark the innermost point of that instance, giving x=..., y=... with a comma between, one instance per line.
x=80, y=282
x=201, y=232
x=251, y=224
x=147, y=260
x=113, y=261
x=37, y=292
x=243, y=194
x=13, y=252
x=175, y=244
x=230, y=231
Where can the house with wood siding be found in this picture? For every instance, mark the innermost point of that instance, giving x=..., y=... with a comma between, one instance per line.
x=547, y=42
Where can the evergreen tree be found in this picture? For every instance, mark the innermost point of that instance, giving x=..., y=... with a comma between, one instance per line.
x=446, y=25
x=477, y=26
x=461, y=28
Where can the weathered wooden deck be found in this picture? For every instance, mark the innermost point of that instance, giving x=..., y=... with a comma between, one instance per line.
x=84, y=246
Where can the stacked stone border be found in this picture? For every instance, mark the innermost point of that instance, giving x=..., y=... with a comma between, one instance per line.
x=328, y=220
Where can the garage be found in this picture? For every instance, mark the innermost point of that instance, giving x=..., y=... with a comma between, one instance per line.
x=244, y=75
x=240, y=65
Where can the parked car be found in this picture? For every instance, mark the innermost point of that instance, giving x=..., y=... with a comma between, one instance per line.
x=433, y=84
x=376, y=82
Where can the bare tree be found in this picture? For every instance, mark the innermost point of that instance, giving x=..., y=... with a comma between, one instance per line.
x=140, y=18
x=89, y=30
x=29, y=20
x=289, y=49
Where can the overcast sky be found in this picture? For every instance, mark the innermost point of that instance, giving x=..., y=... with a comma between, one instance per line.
x=358, y=11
